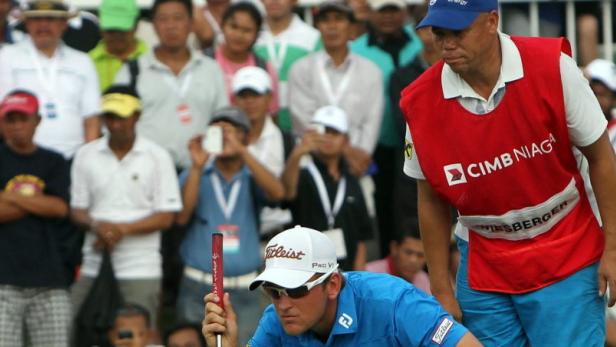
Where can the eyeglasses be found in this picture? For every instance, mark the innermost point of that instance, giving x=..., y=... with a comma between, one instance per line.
x=299, y=292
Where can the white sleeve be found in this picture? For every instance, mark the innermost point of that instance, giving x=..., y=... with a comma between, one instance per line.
x=585, y=120
x=6, y=80
x=80, y=194
x=411, y=164
x=91, y=95
x=167, y=192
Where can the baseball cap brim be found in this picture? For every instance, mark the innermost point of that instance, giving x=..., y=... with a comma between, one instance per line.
x=117, y=22
x=24, y=109
x=448, y=19
x=282, y=277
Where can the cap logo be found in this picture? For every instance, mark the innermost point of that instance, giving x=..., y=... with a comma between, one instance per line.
x=17, y=99
x=432, y=2
x=459, y=2
x=276, y=251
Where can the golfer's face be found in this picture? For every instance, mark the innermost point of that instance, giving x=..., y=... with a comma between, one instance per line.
x=300, y=315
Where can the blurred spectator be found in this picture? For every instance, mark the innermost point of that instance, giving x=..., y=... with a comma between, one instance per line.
x=179, y=88
x=602, y=76
x=185, y=335
x=284, y=39
x=224, y=196
x=335, y=76
x=516, y=19
x=118, y=25
x=390, y=45
x=253, y=92
x=361, y=12
x=6, y=31
x=124, y=191
x=406, y=257
x=241, y=24
x=589, y=30
x=34, y=196
x=63, y=79
x=207, y=23
x=131, y=327
x=323, y=194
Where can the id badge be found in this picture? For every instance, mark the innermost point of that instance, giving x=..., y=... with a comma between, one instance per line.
x=183, y=111
x=50, y=110
x=337, y=238
x=230, y=238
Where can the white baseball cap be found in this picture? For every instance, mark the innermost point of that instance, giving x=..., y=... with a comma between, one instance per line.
x=379, y=4
x=603, y=71
x=252, y=78
x=332, y=117
x=295, y=255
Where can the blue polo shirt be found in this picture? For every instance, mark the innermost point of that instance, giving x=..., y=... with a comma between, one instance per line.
x=373, y=310
x=196, y=249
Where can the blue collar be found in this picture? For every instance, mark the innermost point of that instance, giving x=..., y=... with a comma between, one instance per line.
x=212, y=168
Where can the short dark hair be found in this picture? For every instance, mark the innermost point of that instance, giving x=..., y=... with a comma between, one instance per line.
x=409, y=229
x=181, y=326
x=121, y=89
x=243, y=6
x=186, y=3
x=131, y=310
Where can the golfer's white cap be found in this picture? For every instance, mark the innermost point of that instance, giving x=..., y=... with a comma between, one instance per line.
x=332, y=117
x=603, y=71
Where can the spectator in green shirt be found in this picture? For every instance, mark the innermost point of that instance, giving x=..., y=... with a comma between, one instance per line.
x=118, y=23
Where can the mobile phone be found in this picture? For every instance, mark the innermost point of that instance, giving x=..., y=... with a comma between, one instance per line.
x=318, y=128
x=212, y=141
x=125, y=334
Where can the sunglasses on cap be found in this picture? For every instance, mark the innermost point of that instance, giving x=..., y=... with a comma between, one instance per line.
x=276, y=292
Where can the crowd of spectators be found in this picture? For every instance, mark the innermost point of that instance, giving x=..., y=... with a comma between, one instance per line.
x=102, y=132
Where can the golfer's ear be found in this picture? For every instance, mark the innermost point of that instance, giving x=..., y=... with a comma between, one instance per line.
x=334, y=285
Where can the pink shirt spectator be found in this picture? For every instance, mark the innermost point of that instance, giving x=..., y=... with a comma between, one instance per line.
x=229, y=69
x=420, y=280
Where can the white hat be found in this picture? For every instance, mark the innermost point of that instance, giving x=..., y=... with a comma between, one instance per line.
x=603, y=71
x=295, y=255
x=379, y=4
x=253, y=78
x=332, y=117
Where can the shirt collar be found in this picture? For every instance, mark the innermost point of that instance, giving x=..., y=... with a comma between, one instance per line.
x=330, y=63
x=211, y=168
x=153, y=62
x=59, y=52
x=511, y=69
x=100, y=51
x=269, y=128
x=103, y=144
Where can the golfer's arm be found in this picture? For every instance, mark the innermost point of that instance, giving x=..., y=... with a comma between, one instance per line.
x=435, y=229
x=468, y=340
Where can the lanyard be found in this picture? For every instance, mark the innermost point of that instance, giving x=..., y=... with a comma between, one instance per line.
x=227, y=206
x=47, y=82
x=179, y=89
x=277, y=58
x=330, y=212
x=334, y=96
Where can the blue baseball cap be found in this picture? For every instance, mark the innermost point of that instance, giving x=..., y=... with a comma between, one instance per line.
x=455, y=14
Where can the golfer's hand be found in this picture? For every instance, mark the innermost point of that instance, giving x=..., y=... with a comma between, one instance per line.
x=219, y=321
x=607, y=275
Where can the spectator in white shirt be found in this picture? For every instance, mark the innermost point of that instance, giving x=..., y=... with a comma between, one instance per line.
x=124, y=191
x=180, y=88
x=63, y=79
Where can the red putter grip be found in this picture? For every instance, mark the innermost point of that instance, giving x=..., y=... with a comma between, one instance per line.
x=217, y=269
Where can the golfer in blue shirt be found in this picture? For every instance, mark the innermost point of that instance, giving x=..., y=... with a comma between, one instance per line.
x=313, y=304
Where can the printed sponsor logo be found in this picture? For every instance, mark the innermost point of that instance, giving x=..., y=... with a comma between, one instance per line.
x=345, y=320
x=458, y=2
x=499, y=162
x=276, y=251
x=455, y=174
x=408, y=149
x=432, y=2
x=441, y=332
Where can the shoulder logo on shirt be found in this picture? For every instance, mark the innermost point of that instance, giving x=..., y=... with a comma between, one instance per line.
x=454, y=174
x=345, y=320
x=26, y=185
x=441, y=332
x=408, y=149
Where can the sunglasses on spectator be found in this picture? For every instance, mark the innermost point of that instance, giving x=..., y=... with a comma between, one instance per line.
x=276, y=292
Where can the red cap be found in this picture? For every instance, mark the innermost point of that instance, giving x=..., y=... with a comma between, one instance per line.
x=21, y=102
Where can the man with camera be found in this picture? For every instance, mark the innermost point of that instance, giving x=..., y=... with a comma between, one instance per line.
x=223, y=195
